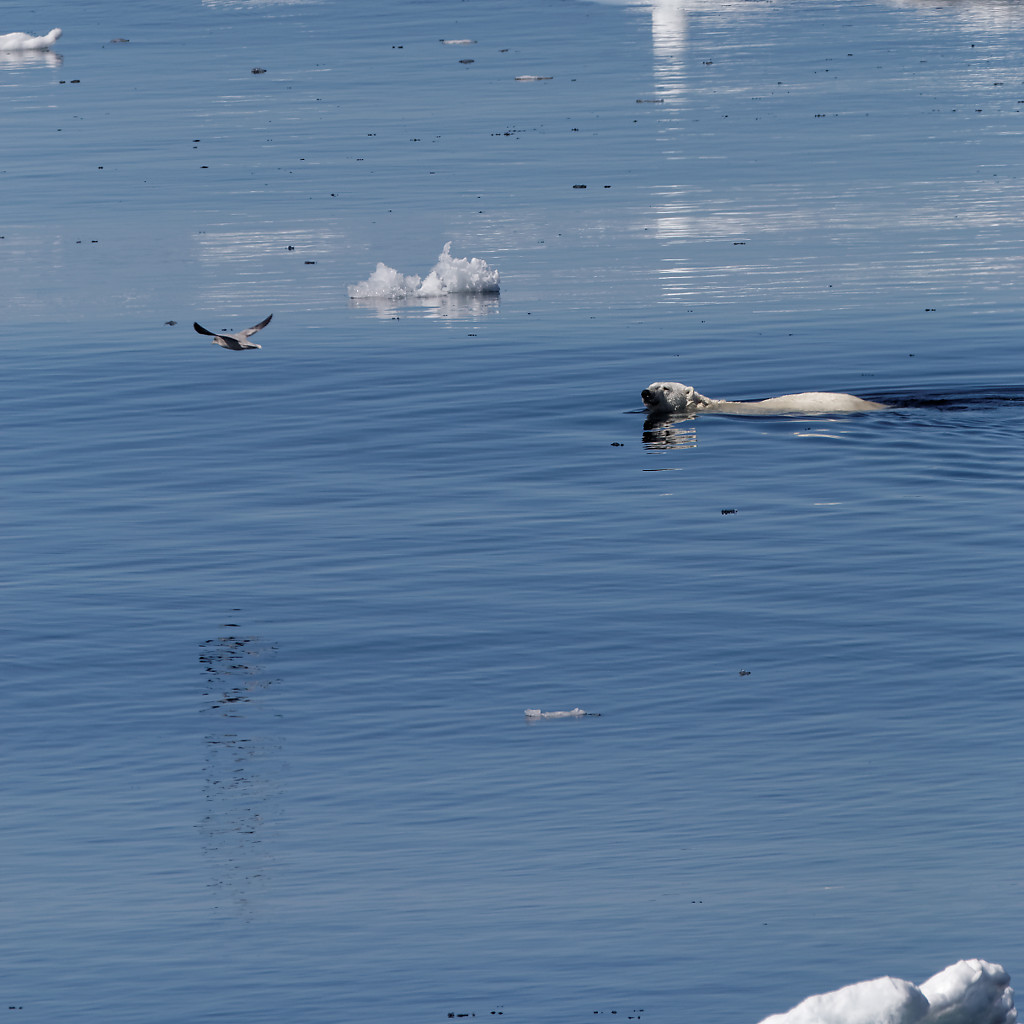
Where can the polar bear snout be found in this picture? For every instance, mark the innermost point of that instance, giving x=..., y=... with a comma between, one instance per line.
x=658, y=393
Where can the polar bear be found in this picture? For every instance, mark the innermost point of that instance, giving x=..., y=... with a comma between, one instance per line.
x=663, y=398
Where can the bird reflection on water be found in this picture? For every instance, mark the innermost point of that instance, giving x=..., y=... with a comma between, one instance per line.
x=242, y=767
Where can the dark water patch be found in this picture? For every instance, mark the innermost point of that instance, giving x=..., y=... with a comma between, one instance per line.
x=972, y=397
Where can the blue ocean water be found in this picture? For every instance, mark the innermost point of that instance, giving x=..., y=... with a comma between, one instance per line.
x=270, y=620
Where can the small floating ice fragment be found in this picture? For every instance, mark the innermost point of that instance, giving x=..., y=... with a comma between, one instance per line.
x=452, y=275
x=575, y=713
x=25, y=41
x=534, y=78
x=458, y=42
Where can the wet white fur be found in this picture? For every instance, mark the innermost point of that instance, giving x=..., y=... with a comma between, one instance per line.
x=24, y=41
x=667, y=397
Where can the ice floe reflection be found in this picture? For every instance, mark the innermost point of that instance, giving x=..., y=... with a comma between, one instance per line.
x=28, y=58
x=439, y=307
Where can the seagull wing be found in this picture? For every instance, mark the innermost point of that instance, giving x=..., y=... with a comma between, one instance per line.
x=249, y=331
x=203, y=330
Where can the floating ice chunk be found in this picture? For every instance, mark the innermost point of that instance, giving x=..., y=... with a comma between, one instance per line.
x=880, y=1001
x=385, y=283
x=968, y=992
x=575, y=713
x=25, y=41
x=452, y=275
x=458, y=42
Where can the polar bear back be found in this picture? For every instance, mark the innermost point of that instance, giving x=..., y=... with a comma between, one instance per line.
x=806, y=401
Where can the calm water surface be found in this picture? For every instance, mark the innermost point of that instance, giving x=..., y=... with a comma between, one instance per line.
x=270, y=619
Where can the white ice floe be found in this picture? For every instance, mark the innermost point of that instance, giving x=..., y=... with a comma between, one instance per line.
x=452, y=275
x=968, y=992
x=25, y=41
x=575, y=713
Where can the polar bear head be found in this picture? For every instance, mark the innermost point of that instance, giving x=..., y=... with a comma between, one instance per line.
x=667, y=396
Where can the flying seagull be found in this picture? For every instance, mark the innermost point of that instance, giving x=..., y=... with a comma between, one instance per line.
x=237, y=341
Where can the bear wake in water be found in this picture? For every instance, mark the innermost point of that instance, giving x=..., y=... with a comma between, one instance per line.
x=665, y=398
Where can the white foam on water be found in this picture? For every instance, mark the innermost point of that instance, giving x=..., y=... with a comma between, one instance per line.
x=968, y=992
x=452, y=275
x=575, y=713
